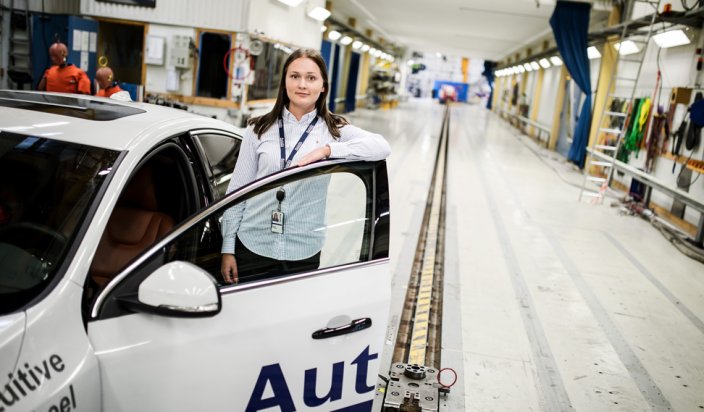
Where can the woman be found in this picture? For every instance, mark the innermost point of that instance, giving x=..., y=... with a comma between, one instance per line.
x=267, y=236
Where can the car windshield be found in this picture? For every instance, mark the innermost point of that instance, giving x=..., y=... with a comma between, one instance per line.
x=46, y=189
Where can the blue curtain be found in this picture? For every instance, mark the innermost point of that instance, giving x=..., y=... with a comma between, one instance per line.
x=334, y=78
x=326, y=52
x=351, y=92
x=570, y=24
x=489, y=67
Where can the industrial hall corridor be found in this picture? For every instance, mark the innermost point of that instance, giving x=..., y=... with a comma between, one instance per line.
x=548, y=303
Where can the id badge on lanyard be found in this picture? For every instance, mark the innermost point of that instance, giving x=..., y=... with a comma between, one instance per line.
x=277, y=216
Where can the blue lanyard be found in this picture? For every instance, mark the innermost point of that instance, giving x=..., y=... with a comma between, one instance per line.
x=282, y=142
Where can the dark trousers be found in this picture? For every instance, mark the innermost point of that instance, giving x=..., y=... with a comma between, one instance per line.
x=251, y=266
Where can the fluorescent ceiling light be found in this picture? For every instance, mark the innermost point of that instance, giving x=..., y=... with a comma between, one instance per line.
x=292, y=3
x=365, y=47
x=334, y=35
x=544, y=63
x=357, y=44
x=671, y=38
x=593, y=53
x=556, y=61
x=626, y=47
x=318, y=13
x=527, y=67
x=535, y=65
x=346, y=40
x=521, y=69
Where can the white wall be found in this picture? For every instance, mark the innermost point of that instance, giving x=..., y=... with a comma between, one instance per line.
x=551, y=85
x=157, y=75
x=228, y=15
x=46, y=6
x=531, y=81
x=286, y=24
x=678, y=69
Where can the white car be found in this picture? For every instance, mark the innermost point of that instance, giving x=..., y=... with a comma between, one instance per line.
x=110, y=292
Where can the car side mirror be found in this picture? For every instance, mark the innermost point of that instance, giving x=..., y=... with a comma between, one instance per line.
x=179, y=289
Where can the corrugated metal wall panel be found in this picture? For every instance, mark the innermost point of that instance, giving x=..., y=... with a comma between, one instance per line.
x=227, y=15
x=48, y=6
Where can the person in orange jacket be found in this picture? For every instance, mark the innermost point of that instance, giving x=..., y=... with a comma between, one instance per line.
x=63, y=77
x=108, y=86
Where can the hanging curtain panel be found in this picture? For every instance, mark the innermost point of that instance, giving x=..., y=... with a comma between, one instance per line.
x=570, y=24
x=489, y=67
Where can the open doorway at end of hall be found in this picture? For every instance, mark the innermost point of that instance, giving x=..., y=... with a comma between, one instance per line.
x=121, y=47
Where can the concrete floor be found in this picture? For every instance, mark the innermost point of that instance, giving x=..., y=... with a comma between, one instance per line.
x=550, y=304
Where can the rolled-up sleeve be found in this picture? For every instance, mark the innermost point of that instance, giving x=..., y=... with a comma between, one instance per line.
x=356, y=143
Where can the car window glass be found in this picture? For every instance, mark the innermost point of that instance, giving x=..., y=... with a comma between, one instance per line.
x=155, y=199
x=325, y=222
x=46, y=189
x=220, y=153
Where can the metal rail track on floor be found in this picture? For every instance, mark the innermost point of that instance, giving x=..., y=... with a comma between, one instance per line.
x=414, y=379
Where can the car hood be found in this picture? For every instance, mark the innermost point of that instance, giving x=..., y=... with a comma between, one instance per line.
x=12, y=329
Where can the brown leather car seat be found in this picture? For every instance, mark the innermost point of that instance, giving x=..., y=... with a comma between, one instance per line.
x=135, y=224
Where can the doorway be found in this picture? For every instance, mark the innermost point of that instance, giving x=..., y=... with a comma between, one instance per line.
x=121, y=47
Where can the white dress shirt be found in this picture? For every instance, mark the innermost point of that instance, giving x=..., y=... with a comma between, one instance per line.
x=304, y=203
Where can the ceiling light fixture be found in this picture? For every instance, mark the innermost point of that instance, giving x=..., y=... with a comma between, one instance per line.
x=544, y=63
x=356, y=44
x=556, y=61
x=527, y=67
x=593, y=53
x=626, y=47
x=334, y=35
x=318, y=13
x=535, y=65
x=291, y=3
x=671, y=38
x=346, y=40
x=365, y=48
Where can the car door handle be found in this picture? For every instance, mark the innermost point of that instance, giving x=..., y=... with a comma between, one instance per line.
x=354, y=326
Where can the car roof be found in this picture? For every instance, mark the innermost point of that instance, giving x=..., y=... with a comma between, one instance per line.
x=97, y=121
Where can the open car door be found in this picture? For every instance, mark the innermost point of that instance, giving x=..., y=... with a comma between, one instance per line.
x=169, y=334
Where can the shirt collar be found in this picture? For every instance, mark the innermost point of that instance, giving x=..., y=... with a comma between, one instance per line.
x=308, y=117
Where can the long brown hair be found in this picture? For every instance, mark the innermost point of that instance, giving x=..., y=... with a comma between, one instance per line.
x=333, y=121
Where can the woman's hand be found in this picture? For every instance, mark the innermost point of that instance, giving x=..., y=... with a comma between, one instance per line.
x=315, y=155
x=228, y=268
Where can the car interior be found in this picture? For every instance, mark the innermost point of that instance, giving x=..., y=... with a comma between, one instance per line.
x=154, y=200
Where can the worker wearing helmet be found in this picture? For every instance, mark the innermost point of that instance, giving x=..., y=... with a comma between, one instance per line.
x=63, y=77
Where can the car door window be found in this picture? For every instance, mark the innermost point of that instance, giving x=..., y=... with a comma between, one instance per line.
x=157, y=197
x=220, y=153
x=320, y=223
x=164, y=308
x=330, y=219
